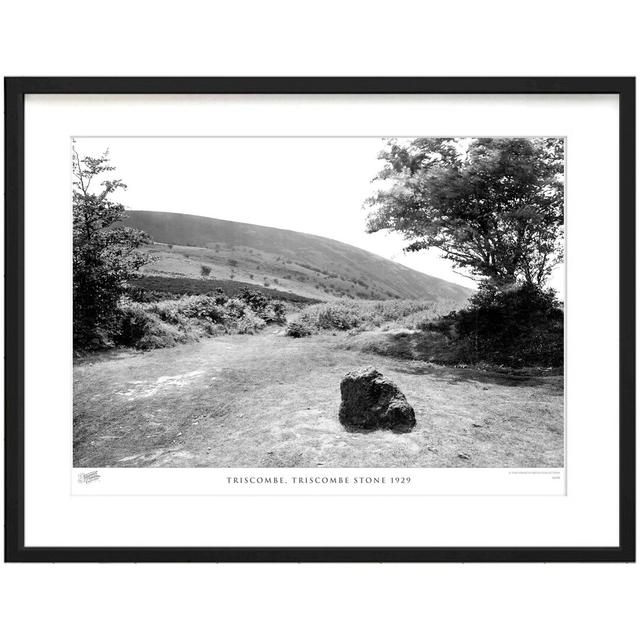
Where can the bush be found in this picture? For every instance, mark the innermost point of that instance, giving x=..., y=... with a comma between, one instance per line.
x=205, y=271
x=362, y=315
x=338, y=316
x=219, y=296
x=235, y=308
x=298, y=330
x=204, y=308
x=268, y=310
x=167, y=310
x=249, y=323
x=276, y=312
x=165, y=323
x=517, y=327
x=142, y=329
x=256, y=300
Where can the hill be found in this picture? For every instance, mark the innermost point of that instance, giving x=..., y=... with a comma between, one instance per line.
x=300, y=263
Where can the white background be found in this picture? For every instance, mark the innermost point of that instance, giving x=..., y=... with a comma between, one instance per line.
x=367, y=38
x=586, y=516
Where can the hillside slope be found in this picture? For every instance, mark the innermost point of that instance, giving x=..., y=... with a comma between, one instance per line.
x=301, y=263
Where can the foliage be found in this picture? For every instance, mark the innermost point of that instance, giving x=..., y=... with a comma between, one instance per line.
x=220, y=295
x=145, y=330
x=362, y=315
x=338, y=316
x=249, y=322
x=235, y=307
x=494, y=207
x=276, y=312
x=255, y=299
x=165, y=323
x=206, y=308
x=269, y=310
x=298, y=330
x=205, y=271
x=105, y=256
x=519, y=326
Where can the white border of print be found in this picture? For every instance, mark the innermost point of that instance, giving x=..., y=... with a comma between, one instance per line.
x=318, y=482
x=119, y=481
x=586, y=516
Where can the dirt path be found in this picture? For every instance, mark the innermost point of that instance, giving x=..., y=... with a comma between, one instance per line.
x=269, y=401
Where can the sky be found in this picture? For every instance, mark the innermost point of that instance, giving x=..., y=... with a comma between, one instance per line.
x=313, y=185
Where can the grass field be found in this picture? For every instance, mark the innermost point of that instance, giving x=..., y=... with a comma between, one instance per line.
x=271, y=401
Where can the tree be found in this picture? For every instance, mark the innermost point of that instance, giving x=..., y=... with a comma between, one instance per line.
x=105, y=255
x=493, y=206
x=517, y=326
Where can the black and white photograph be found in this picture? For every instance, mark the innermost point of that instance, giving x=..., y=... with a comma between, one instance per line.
x=318, y=302
x=320, y=319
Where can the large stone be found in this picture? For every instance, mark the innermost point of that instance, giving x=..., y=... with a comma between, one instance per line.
x=371, y=401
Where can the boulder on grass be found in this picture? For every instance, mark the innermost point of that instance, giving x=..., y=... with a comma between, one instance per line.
x=371, y=401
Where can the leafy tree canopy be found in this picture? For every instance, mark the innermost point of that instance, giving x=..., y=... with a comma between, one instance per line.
x=105, y=255
x=493, y=206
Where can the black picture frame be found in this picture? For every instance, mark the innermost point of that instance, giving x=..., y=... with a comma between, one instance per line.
x=15, y=91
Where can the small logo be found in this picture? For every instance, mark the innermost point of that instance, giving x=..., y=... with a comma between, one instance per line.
x=87, y=477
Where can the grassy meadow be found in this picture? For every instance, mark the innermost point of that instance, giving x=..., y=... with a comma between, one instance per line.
x=239, y=390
